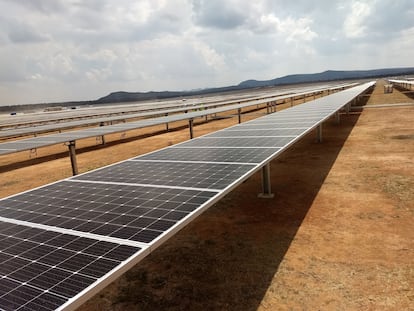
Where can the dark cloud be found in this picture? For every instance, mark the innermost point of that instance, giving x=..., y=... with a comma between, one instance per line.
x=45, y=6
x=217, y=14
x=21, y=33
x=93, y=5
x=18, y=31
x=388, y=17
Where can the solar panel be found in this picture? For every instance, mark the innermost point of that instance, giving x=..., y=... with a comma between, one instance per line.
x=269, y=126
x=121, y=211
x=177, y=174
x=61, y=243
x=43, y=269
x=257, y=132
x=251, y=142
x=211, y=154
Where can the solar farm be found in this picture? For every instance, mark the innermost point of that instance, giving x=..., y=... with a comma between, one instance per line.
x=64, y=240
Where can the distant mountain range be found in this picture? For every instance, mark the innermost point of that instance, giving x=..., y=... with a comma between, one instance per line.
x=330, y=75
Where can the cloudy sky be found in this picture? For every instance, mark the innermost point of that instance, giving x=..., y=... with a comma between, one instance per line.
x=61, y=50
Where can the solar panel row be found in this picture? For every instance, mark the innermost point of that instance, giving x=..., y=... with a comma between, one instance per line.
x=136, y=111
x=127, y=110
x=85, y=231
x=53, y=139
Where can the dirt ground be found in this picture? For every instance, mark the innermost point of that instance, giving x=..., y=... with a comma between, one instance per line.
x=338, y=235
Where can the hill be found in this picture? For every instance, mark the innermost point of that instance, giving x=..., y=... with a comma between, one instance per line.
x=330, y=75
x=118, y=97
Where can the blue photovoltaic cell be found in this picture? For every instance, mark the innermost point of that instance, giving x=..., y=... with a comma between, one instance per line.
x=256, y=142
x=127, y=212
x=257, y=133
x=269, y=126
x=192, y=175
x=43, y=269
x=234, y=155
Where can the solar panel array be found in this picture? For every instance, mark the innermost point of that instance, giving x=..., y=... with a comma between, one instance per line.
x=97, y=114
x=126, y=113
x=60, y=138
x=407, y=84
x=61, y=243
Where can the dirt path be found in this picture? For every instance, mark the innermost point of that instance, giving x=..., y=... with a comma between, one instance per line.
x=337, y=236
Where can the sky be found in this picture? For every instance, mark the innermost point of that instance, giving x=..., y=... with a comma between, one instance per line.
x=64, y=50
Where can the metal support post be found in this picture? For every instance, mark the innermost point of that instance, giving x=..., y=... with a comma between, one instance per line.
x=319, y=133
x=239, y=114
x=33, y=151
x=190, y=126
x=267, y=108
x=291, y=101
x=337, y=117
x=266, y=184
x=72, y=154
x=167, y=127
x=347, y=108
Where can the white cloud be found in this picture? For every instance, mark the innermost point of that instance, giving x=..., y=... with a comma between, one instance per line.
x=293, y=29
x=79, y=49
x=210, y=56
x=354, y=25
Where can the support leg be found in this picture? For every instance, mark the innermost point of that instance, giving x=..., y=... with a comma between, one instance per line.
x=167, y=126
x=239, y=114
x=266, y=184
x=319, y=133
x=72, y=154
x=190, y=126
x=337, y=117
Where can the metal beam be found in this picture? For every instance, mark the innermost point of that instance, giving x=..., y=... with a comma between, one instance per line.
x=266, y=183
x=190, y=126
x=319, y=133
x=72, y=154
